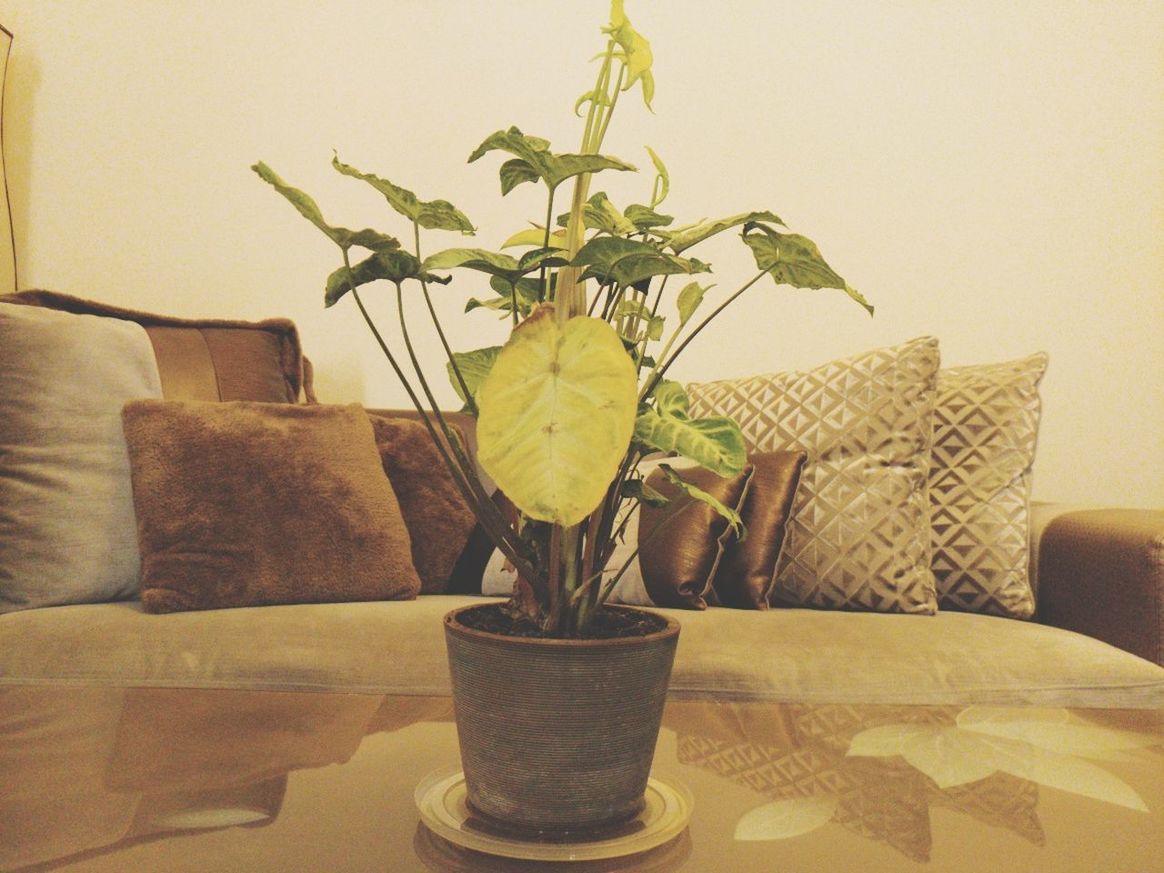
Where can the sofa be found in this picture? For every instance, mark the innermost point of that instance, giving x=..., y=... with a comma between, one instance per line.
x=1096, y=638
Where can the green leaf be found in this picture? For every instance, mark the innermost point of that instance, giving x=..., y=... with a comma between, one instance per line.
x=792, y=259
x=341, y=236
x=689, y=299
x=494, y=263
x=682, y=238
x=538, y=258
x=590, y=97
x=638, y=489
x=662, y=180
x=474, y=367
x=626, y=261
x=671, y=399
x=697, y=493
x=395, y=266
x=536, y=236
x=516, y=172
x=556, y=415
x=539, y=162
x=431, y=214
x=645, y=218
x=600, y=214
x=636, y=52
x=715, y=443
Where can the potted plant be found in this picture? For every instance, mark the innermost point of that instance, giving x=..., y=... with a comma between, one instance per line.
x=599, y=307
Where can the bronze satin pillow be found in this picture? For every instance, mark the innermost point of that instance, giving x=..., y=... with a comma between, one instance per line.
x=207, y=359
x=249, y=504
x=439, y=519
x=679, y=559
x=747, y=572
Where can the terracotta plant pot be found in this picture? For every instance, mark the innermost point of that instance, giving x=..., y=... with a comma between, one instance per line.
x=557, y=735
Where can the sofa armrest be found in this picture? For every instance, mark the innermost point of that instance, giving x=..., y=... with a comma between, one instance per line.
x=1101, y=572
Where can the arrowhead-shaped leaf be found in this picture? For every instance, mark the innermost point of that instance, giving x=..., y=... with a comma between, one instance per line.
x=536, y=236
x=697, y=493
x=309, y=209
x=638, y=489
x=556, y=415
x=432, y=214
x=600, y=214
x=636, y=53
x=626, y=261
x=516, y=172
x=494, y=263
x=715, y=443
x=792, y=259
x=539, y=161
x=689, y=300
x=644, y=218
x=395, y=266
x=682, y=238
x=474, y=367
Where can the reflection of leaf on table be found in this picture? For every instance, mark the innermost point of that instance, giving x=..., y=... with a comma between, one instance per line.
x=1043, y=747
x=800, y=761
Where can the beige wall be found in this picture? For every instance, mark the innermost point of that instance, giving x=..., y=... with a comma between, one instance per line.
x=990, y=173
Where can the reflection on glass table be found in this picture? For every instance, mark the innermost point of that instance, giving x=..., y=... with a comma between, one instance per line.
x=112, y=779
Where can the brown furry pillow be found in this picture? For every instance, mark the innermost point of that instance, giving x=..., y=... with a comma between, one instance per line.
x=249, y=504
x=438, y=517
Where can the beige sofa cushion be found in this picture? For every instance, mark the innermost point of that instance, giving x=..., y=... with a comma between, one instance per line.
x=781, y=654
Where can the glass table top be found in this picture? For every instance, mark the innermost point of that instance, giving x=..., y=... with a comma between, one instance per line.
x=113, y=779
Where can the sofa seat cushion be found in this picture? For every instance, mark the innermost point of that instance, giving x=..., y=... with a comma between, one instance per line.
x=398, y=647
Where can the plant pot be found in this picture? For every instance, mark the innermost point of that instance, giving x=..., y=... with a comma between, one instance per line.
x=557, y=735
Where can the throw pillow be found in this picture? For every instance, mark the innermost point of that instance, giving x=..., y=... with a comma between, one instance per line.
x=986, y=424
x=859, y=537
x=747, y=573
x=681, y=544
x=67, y=530
x=248, y=504
x=207, y=359
x=676, y=563
x=438, y=517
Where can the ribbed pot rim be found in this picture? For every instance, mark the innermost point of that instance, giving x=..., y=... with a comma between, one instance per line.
x=453, y=624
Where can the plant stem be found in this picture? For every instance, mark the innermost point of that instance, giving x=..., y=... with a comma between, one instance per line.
x=464, y=475
x=543, y=289
x=470, y=403
x=662, y=366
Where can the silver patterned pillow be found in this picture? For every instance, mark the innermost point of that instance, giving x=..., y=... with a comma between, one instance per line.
x=986, y=423
x=859, y=536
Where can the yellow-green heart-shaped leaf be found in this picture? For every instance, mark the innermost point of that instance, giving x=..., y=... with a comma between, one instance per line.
x=556, y=415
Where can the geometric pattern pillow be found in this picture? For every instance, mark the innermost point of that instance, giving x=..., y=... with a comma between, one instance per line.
x=986, y=424
x=859, y=536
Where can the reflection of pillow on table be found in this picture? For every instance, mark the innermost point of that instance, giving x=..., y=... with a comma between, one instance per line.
x=247, y=504
x=67, y=531
x=859, y=536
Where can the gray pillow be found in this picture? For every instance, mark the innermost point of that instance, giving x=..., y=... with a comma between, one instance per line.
x=67, y=528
